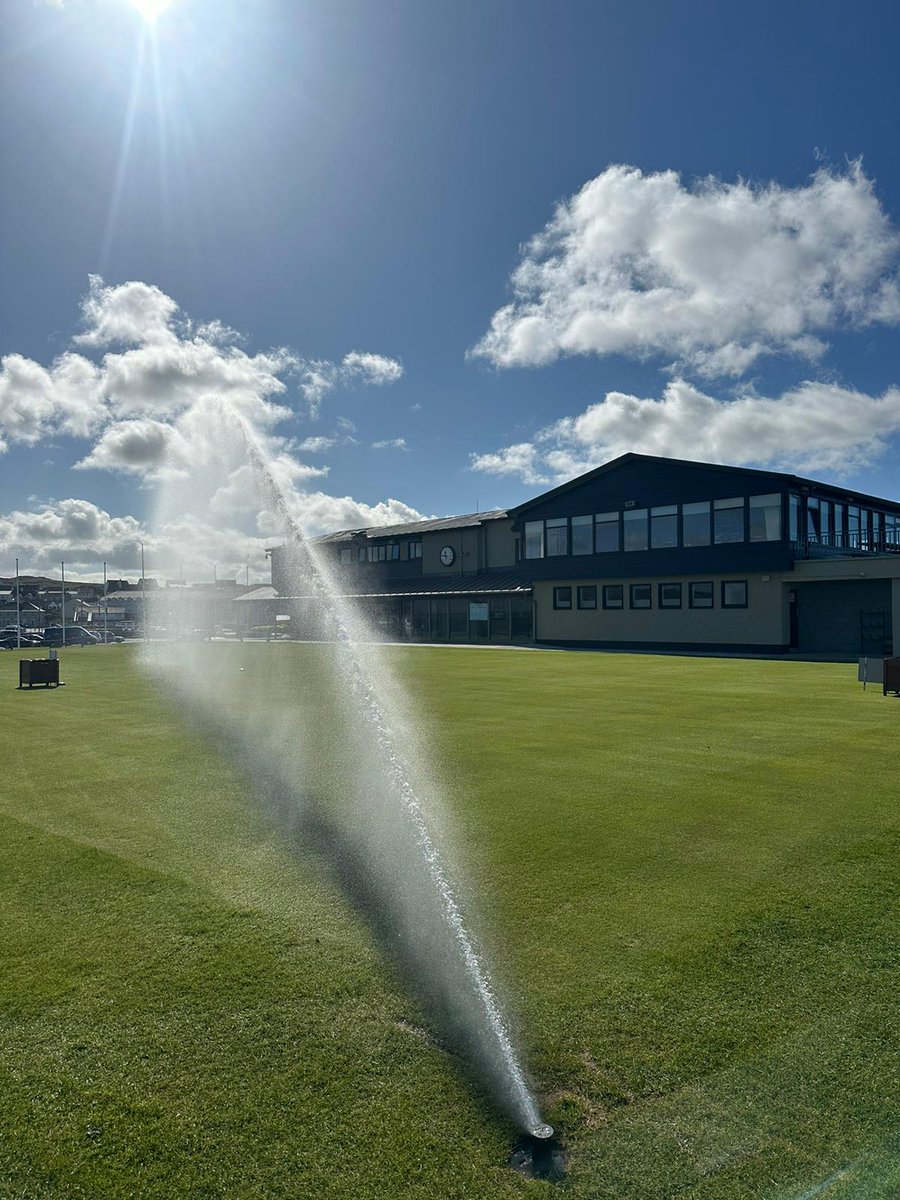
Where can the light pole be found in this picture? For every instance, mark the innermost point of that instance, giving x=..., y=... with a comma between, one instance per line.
x=62, y=567
x=18, y=611
x=143, y=594
x=215, y=600
x=105, y=607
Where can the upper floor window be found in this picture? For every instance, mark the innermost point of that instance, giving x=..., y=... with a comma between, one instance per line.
x=664, y=526
x=606, y=533
x=765, y=518
x=361, y=554
x=794, y=517
x=394, y=551
x=695, y=524
x=415, y=549
x=534, y=539
x=728, y=520
x=346, y=555
x=582, y=535
x=636, y=529
x=557, y=536
x=852, y=526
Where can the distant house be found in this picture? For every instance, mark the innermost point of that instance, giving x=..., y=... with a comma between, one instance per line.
x=30, y=615
x=255, y=608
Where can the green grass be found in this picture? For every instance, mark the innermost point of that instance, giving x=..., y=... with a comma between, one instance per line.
x=685, y=871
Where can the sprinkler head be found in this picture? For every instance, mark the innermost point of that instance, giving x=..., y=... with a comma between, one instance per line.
x=542, y=1131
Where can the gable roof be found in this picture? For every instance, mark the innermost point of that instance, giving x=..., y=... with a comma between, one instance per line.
x=614, y=464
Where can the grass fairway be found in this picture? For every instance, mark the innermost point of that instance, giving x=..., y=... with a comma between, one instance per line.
x=687, y=871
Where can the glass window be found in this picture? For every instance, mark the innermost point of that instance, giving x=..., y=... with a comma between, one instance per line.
x=636, y=529
x=613, y=595
x=852, y=526
x=664, y=526
x=695, y=524
x=346, y=555
x=534, y=539
x=641, y=595
x=794, y=517
x=606, y=533
x=415, y=549
x=728, y=520
x=825, y=519
x=394, y=552
x=734, y=593
x=877, y=535
x=765, y=518
x=839, y=520
x=557, y=537
x=361, y=554
x=700, y=595
x=583, y=535
x=670, y=595
x=562, y=597
x=813, y=524
x=587, y=595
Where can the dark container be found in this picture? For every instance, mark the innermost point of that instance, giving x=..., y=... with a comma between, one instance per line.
x=892, y=675
x=38, y=671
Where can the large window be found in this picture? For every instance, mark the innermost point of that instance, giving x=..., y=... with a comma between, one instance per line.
x=734, y=593
x=794, y=517
x=636, y=529
x=415, y=549
x=670, y=595
x=606, y=532
x=641, y=595
x=840, y=519
x=813, y=522
x=534, y=539
x=346, y=555
x=557, y=537
x=361, y=554
x=664, y=527
x=562, y=597
x=728, y=520
x=587, y=595
x=853, y=526
x=700, y=595
x=765, y=518
x=614, y=595
x=695, y=524
x=582, y=535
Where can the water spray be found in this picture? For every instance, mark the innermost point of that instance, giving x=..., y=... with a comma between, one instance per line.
x=393, y=835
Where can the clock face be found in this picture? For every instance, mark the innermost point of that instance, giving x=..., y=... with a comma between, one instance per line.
x=448, y=554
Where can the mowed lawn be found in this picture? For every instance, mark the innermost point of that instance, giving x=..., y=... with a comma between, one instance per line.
x=685, y=871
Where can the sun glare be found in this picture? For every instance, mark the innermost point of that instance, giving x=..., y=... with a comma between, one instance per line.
x=150, y=9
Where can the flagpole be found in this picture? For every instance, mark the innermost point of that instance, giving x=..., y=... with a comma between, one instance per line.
x=18, y=611
x=62, y=566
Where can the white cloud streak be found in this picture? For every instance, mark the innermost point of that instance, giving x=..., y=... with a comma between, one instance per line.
x=815, y=427
x=715, y=275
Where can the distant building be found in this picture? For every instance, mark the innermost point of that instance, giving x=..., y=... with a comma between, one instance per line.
x=641, y=553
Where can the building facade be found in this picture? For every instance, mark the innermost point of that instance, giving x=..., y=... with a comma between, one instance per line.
x=641, y=553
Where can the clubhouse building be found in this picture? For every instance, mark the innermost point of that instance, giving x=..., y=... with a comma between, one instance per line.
x=641, y=553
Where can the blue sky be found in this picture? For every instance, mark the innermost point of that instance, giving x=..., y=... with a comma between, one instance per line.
x=287, y=183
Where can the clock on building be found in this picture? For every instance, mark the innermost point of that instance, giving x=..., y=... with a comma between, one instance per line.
x=448, y=554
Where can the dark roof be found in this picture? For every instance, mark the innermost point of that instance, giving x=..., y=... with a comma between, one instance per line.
x=429, y=526
x=790, y=480
x=483, y=583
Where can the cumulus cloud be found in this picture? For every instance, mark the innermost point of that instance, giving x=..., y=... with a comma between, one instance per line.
x=813, y=427
x=141, y=447
x=156, y=364
x=391, y=444
x=715, y=275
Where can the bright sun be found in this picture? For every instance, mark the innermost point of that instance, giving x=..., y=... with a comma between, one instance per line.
x=150, y=9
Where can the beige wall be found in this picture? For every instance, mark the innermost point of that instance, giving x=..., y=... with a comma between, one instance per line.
x=764, y=622
x=477, y=548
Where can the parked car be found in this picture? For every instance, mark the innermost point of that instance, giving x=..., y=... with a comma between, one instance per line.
x=13, y=640
x=75, y=635
x=107, y=636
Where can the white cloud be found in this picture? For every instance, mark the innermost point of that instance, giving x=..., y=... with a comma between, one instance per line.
x=391, y=444
x=37, y=402
x=320, y=513
x=370, y=368
x=715, y=275
x=316, y=445
x=140, y=447
x=814, y=427
x=134, y=314
x=318, y=377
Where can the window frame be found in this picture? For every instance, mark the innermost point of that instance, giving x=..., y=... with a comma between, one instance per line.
x=659, y=598
x=606, y=525
x=632, y=589
x=697, y=583
x=559, y=604
x=607, y=604
x=584, y=521
x=586, y=587
x=731, y=583
x=557, y=524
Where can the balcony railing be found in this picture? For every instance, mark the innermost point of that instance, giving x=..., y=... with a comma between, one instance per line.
x=845, y=545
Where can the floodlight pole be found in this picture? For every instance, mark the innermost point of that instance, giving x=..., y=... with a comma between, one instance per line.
x=18, y=611
x=143, y=594
x=62, y=567
x=215, y=600
x=105, y=605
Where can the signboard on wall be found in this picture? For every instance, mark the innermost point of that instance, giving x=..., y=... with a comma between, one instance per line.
x=477, y=612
